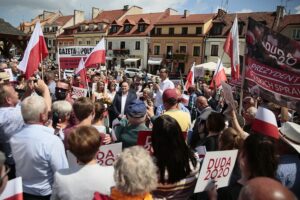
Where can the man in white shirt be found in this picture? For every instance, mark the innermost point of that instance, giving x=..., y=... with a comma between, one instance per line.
x=162, y=86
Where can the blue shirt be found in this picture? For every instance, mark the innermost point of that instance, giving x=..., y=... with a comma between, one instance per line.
x=161, y=108
x=11, y=122
x=38, y=154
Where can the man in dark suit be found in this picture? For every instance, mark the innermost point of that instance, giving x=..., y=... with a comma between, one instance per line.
x=121, y=101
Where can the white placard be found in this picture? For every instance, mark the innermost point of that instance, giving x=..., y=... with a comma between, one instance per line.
x=199, y=72
x=217, y=166
x=10, y=74
x=13, y=189
x=78, y=92
x=106, y=156
x=228, y=95
x=201, y=150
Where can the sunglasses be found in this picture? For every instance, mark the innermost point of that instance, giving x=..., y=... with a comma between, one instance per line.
x=60, y=89
x=7, y=170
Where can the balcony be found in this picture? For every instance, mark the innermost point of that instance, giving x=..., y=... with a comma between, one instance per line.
x=121, y=52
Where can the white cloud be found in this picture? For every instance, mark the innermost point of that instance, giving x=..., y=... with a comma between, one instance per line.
x=245, y=10
x=297, y=8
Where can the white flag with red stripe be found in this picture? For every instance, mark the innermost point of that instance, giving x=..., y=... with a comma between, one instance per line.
x=231, y=47
x=265, y=123
x=35, y=52
x=97, y=56
x=219, y=75
x=190, y=79
x=13, y=190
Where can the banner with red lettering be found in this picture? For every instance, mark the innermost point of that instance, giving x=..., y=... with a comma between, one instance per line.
x=273, y=64
x=106, y=156
x=70, y=56
x=217, y=167
x=78, y=92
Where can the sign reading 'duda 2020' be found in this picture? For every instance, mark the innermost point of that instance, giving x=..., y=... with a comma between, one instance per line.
x=217, y=167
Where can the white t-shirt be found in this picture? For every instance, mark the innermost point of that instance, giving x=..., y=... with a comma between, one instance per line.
x=166, y=84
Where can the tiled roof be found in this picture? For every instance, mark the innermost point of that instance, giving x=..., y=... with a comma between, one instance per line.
x=7, y=29
x=190, y=19
x=110, y=15
x=60, y=21
x=150, y=18
x=289, y=20
x=266, y=18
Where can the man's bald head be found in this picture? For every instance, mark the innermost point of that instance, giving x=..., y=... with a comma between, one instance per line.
x=202, y=102
x=263, y=188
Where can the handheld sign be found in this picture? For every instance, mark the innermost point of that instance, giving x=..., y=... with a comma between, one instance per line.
x=10, y=74
x=217, y=166
x=106, y=156
x=201, y=150
x=144, y=140
x=13, y=189
x=228, y=94
x=78, y=92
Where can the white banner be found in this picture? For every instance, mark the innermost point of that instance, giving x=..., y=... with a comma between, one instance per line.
x=78, y=92
x=217, y=166
x=75, y=51
x=106, y=156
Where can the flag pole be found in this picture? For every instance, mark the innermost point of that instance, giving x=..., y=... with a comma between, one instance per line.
x=58, y=61
x=42, y=67
x=242, y=86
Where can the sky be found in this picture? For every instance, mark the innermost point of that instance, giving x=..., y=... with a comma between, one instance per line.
x=16, y=11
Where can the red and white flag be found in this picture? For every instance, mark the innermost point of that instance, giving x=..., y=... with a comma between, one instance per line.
x=97, y=55
x=265, y=123
x=231, y=47
x=219, y=75
x=35, y=52
x=81, y=70
x=190, y=79
x=13, y=190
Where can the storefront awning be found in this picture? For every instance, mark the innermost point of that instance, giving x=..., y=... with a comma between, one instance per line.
x=131, y=59
x=154, y=61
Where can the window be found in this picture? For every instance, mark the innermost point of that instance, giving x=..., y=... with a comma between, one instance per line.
x=127, y=28
x=196, y=51
x=49, y=43
x=198, y=30
x=46, y=29
x=217, y=29
x=97, y=41
x=156, y=50
x=171, y=31
x=182, y=49
x=54, y=29
x=169, y=52
x=88, y=42
x=80, y=42
x=91, y=27
x=184, y=30
x=122, y=45
x=100, y=27
x=296, y=34
x=240, y=27
x=142, y=27
x=109, y=45
x=114, y=29
x=137, y=45
x=158, y=31
x=82, y=28
x=214, y=50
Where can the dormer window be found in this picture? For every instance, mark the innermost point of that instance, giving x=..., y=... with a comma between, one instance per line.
x=114, y=29
x=91, y=27
x=100, y=27
x=127, y=28
x=142, y=27
x=54, y=29
x=217, y=29
x=46, y=29
x=240, y=27
x=82, y=28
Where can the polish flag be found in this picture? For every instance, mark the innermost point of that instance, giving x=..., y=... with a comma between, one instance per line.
x=97, y=55
x=231, y=47
x=81, y=71
x=13, y=190
x=190, y=79
x=265, y=123
x=35, y=52
x=219, y=75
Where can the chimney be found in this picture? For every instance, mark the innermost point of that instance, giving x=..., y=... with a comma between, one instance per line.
x=78, y=16
x=280, y=11
x=186, y=13
x=126, y=7
x=95, y=12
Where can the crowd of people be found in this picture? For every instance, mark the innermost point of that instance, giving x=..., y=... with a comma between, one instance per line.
x=40, y=120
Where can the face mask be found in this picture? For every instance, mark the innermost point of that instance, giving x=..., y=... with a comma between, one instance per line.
x=60, y=94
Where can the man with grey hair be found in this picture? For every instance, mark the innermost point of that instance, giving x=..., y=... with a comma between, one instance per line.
x=37, y=151
x=11, y=120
